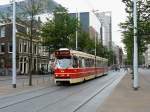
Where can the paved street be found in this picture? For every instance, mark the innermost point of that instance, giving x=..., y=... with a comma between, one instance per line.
x=85, y=97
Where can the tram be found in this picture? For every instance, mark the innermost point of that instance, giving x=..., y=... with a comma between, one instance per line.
x=75, y=66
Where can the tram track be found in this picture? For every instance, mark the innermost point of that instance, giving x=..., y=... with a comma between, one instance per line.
x=21, y=93
x=29, y=98
x=77, y=92
x=24, y=92
x=53, y=92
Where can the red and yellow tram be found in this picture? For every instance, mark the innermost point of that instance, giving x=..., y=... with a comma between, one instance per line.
x=76, y=66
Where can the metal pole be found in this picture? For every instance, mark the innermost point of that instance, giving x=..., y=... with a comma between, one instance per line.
x=14, y=47
x=95, y=42
x=101, y=33
x=77, y=16
x=95, y=47
x=135, y=60
x=110, y=29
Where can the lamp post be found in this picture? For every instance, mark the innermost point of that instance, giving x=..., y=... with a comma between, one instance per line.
x=14, y=47
x=135, y=59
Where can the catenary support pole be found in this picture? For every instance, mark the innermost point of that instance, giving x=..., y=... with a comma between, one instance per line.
x=135, y=59
x=14, y=47
x=77, y=17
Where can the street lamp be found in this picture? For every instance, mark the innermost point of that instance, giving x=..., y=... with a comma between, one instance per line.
x=14, y=47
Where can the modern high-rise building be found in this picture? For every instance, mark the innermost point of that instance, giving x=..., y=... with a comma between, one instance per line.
x=89, y=23
x=106, y=28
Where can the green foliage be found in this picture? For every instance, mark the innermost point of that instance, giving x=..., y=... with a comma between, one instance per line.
x=60, y=30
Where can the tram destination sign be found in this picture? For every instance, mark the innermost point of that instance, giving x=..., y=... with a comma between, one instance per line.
x=64, y=53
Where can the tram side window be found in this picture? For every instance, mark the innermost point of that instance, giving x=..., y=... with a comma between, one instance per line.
x=92, y=63
x=75, y=62
x=99, y=63
x=87, y=62
x=105, y=63
x=80, y=63
x=102, y=63
x=83, y=62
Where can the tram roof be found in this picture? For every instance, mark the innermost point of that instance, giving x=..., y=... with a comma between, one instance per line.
x=86, y=55
x=83, y=54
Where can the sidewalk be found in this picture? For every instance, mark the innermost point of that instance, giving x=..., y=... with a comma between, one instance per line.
x=125, y=99
x=22, y=84
x=3, y=78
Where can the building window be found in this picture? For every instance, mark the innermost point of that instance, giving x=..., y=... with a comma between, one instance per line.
x=2, y=47
x=10, y=47
x=2, y=32
x=25, y=47
x=27, y=31
x=20, y=46
x=35, y=49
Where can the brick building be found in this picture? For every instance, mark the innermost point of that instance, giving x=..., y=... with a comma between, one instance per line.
x=39, y=58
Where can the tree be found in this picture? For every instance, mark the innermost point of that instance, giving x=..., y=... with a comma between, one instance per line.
x=60, y=30
x=143, y=24
x=30, y=9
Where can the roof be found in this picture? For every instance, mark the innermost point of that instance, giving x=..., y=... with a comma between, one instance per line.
x=86, y=55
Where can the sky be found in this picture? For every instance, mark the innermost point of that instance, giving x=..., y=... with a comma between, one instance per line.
x=115, y=6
